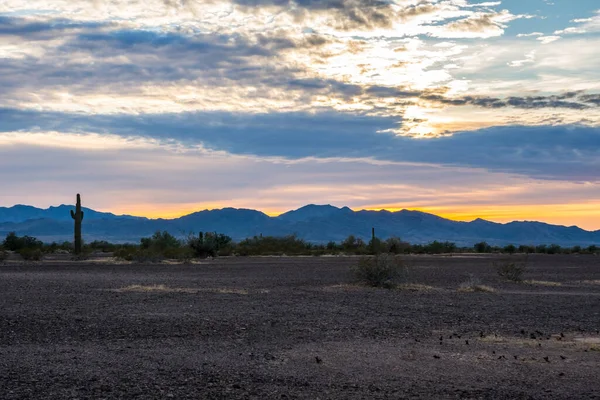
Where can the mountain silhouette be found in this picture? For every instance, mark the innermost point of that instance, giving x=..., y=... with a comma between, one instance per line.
x=314, y=223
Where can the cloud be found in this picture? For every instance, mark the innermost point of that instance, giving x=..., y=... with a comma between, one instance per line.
x=548, y=39
x=584, y=25
x=479, y=24
x=530, y=34
x=548, y=152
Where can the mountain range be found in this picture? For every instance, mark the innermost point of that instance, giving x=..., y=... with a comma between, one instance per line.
x=314, y=223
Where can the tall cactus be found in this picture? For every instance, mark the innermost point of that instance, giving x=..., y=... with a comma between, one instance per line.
x=78, y=217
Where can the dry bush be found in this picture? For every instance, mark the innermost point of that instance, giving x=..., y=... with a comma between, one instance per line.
x=473, y=284
x=383, y=270
x=511, y=270
x=31, y=254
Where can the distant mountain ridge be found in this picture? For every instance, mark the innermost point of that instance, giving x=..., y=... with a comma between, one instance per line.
x=22, y=213
x=314, y=223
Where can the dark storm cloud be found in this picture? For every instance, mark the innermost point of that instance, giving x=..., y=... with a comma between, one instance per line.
x=546, y=152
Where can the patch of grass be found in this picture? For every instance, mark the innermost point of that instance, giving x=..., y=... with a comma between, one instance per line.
x=414, y=287
x=542, y=283
x=166, y=289
x=591, y=282
x=474, y=285
x=155, y=288
x=382, y=270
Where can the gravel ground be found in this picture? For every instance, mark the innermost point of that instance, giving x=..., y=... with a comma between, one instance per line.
x=297, y=327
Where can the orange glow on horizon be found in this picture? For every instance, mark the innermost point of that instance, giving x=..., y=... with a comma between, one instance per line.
x=585, y=215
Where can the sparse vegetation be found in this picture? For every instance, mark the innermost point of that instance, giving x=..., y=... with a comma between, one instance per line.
x=382, y=270
x=482, y=247
x=30, y=254
x=511, y=270
x=163, y=245
x=473, y=284
x=210, y=244
x=3, y=255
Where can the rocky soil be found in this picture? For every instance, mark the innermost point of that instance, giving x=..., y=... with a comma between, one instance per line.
x=287, y=328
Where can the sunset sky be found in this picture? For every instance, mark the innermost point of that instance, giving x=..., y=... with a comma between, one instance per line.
x=461, y=108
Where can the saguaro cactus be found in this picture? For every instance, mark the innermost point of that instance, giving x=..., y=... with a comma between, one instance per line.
x=78, y=217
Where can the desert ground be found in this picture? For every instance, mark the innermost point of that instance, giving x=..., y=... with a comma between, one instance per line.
x=298, y=327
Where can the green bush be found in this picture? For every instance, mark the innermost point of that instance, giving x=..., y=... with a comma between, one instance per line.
x=30, y=254
x=185, y=254
x=270, y=245
x=436, y=247
x=354, y=245
x=382, y=270
x=160, y=241
x=13, y=242
x=526, y=249
x=396, y=246
x=482, y=247
x=511, y=270
x=210, y=244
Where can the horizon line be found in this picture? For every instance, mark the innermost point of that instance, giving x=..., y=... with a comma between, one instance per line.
x=455, y=217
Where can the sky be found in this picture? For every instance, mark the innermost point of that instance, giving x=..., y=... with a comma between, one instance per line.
x=159, y=108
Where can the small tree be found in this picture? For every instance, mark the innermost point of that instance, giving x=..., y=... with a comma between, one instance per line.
x=482, y=247
x=510, y=249
x=160, y=241
x=209, y=244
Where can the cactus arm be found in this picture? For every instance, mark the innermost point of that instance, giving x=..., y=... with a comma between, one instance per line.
x=72, y=214
x=81, y=214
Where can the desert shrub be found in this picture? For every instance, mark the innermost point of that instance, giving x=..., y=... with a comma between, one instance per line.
x=355, y=245
x=210, y=244
x=526, y=249
x=396, y=246
x=3, y=255
x=436, y=247
x=65, y=247
x=375, y=246
x=185, y=254
x=160, y=241
x=554, y=249
x=332, y=247
x=482, y=247
x=30, y=254
x=473, y=284
x=510, y=249
x=592, y=249
x=542, y=248
x=138, y=255
x=511, y=270
x=102, y=245
x=13, y=242
x=382, y=270
x=271, y=245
